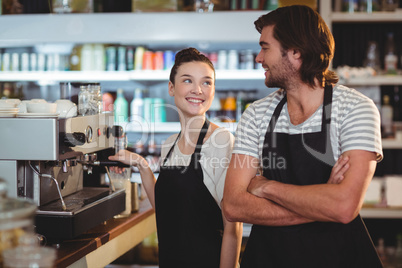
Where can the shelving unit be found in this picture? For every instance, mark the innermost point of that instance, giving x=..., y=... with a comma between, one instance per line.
x=381, y=213
x=130, y=28
x=146, y=75
x=379, y=80
x=361, y=17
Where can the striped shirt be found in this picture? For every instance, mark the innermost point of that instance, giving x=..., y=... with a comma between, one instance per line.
x=355, y=123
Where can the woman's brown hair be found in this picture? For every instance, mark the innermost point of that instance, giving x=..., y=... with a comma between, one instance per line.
x=188, y=55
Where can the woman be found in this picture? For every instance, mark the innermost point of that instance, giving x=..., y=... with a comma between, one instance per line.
x=192, y=230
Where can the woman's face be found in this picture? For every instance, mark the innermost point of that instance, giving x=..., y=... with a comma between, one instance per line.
x=194, y=88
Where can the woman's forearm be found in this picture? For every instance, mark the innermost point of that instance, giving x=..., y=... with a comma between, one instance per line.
x=231, y=244
x=148, y=180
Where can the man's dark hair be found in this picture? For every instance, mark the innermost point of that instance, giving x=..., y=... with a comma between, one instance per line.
x=303, y=29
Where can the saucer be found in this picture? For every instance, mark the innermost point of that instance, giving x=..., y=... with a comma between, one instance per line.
x=8, y=110
x=8, y=114
x=52, y=115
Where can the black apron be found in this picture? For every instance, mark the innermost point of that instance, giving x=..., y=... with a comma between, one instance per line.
x=317, y=244
x=189, y=221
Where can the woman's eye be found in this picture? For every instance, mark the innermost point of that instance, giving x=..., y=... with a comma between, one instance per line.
x=187, y=81
x=208, y=83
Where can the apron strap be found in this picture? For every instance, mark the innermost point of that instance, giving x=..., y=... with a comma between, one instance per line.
x=271, y=126
x=326, y=111
x=328, y=156
x=201, y=137
x=171, y=150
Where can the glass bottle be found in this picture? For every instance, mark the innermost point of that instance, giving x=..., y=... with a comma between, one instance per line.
x=381, y=250
x=390, y=59
x=386, y=117
x=372, y=57
x=398, y=251
x=397, y=104
x=229, y=108
x=121, y=179
x=120, y=108
x=239, y=105
x=75, y=58
x=137, y=106
x=214, y=111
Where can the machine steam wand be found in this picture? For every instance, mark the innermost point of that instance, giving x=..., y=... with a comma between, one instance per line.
x=63, y=205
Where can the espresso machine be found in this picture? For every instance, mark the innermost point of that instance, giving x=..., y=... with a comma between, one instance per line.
x=46, y=159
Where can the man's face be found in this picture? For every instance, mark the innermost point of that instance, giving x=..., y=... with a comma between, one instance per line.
x=279, y=71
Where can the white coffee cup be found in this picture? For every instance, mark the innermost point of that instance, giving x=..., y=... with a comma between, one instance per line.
x=9, y=103
x=38, y=100
x=41, y=107
x=23, y=106
x=66, y=108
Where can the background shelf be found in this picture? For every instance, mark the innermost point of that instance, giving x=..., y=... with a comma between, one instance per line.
x=379, y=16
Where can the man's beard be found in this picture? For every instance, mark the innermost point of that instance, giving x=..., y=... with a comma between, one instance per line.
x=285, y=72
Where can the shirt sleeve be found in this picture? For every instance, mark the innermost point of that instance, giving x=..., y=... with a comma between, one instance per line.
x=361, y=129
x=247, y=136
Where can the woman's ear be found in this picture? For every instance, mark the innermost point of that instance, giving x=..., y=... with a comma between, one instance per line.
x=171, y=89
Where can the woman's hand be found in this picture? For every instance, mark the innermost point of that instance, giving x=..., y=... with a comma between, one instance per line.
x=129, y=158
x=339, y=169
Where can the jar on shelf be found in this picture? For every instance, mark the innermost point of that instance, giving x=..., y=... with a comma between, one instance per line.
x=90, y=99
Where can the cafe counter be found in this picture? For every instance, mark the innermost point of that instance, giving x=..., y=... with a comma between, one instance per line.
x=103, y=244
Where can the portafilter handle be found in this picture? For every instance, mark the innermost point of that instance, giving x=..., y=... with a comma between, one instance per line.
x=109, y=163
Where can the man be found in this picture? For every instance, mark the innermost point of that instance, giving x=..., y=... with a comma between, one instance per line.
x=287, y=143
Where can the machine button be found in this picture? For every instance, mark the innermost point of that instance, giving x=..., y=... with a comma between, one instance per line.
x=89, y=134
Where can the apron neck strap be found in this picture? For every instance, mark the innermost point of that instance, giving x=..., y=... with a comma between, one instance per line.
x=327, y=105
x=201, y=137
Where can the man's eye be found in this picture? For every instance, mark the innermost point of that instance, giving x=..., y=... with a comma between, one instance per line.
x=208, y=83
x=187, y=81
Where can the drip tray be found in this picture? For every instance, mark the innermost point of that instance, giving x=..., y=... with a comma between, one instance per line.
x=77, y=201
x=85, y=209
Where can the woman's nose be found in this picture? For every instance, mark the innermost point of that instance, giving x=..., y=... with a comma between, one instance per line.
x=197, y=90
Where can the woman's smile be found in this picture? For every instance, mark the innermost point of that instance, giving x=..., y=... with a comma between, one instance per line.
x=195, y=101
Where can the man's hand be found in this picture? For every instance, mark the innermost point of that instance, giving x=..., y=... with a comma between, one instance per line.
x=339, y=169
x=257, y=184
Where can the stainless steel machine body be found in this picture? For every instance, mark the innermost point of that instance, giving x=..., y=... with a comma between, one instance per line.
x=45, y=159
